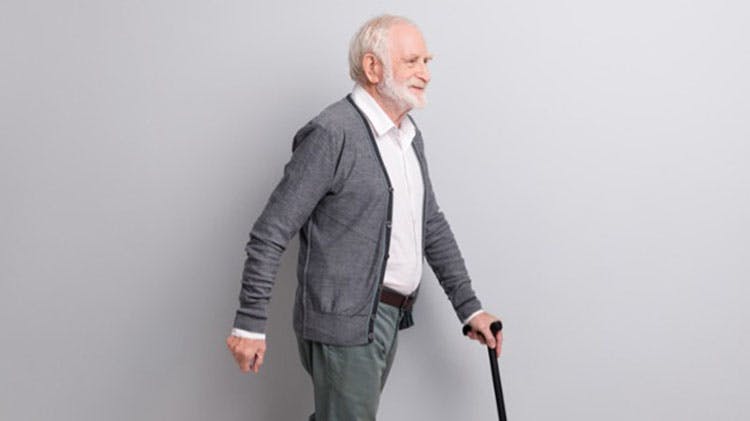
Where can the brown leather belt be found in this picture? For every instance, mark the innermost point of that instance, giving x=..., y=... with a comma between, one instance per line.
x=395, y=299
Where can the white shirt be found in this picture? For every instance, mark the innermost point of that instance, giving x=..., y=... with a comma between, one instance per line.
x=403, y=270
x=404, y=267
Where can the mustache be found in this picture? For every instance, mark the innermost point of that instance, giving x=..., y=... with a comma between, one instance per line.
x=416, y=83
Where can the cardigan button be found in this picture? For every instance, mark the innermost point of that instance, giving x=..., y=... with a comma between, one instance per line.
x=388, y=224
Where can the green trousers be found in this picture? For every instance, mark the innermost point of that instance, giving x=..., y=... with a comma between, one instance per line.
x=347, y=380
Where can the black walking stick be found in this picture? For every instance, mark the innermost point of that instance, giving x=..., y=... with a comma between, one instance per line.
x=495, y=327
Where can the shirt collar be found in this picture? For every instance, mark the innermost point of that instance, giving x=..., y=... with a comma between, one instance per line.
x=378, y=119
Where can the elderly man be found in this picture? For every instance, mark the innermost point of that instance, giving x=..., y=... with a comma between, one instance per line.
x=357, y=190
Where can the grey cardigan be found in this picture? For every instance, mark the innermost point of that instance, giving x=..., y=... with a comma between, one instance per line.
x=336, y=193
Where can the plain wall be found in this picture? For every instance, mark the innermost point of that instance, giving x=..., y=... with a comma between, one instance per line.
x=591, y=157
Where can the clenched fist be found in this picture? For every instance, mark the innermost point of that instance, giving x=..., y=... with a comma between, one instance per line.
x=247, y=352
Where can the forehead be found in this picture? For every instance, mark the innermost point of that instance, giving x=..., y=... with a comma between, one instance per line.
x=405, y=39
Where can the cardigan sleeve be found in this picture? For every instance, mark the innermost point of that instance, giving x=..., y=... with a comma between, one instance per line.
x=307, y=177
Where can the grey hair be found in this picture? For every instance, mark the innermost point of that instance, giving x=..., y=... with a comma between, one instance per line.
x=372, y=37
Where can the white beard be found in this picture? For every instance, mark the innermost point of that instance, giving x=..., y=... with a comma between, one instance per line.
x=398, y=94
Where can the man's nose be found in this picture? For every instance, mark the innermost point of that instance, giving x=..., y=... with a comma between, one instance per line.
x=424, y=73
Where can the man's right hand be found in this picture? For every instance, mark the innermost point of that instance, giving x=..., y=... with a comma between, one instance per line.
x=247, y=352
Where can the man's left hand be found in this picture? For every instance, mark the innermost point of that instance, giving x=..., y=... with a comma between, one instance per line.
x=481, y=323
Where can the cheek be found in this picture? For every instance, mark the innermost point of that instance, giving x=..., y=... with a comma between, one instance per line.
x=405, y=78
x=403, y=75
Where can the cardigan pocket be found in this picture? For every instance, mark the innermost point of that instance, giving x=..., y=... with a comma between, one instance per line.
x=342, y=267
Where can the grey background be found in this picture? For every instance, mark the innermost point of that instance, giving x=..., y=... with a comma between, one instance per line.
x=591, y=157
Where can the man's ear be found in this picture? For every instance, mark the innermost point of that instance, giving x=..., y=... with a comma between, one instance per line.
x=373, y=68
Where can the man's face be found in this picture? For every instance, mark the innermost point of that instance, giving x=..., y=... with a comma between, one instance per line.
x=406, y=76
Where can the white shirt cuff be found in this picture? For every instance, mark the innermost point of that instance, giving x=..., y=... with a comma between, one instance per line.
x=472, y=316
x=249, y=335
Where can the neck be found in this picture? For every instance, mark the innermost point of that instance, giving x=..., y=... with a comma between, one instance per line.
x=392, y=109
